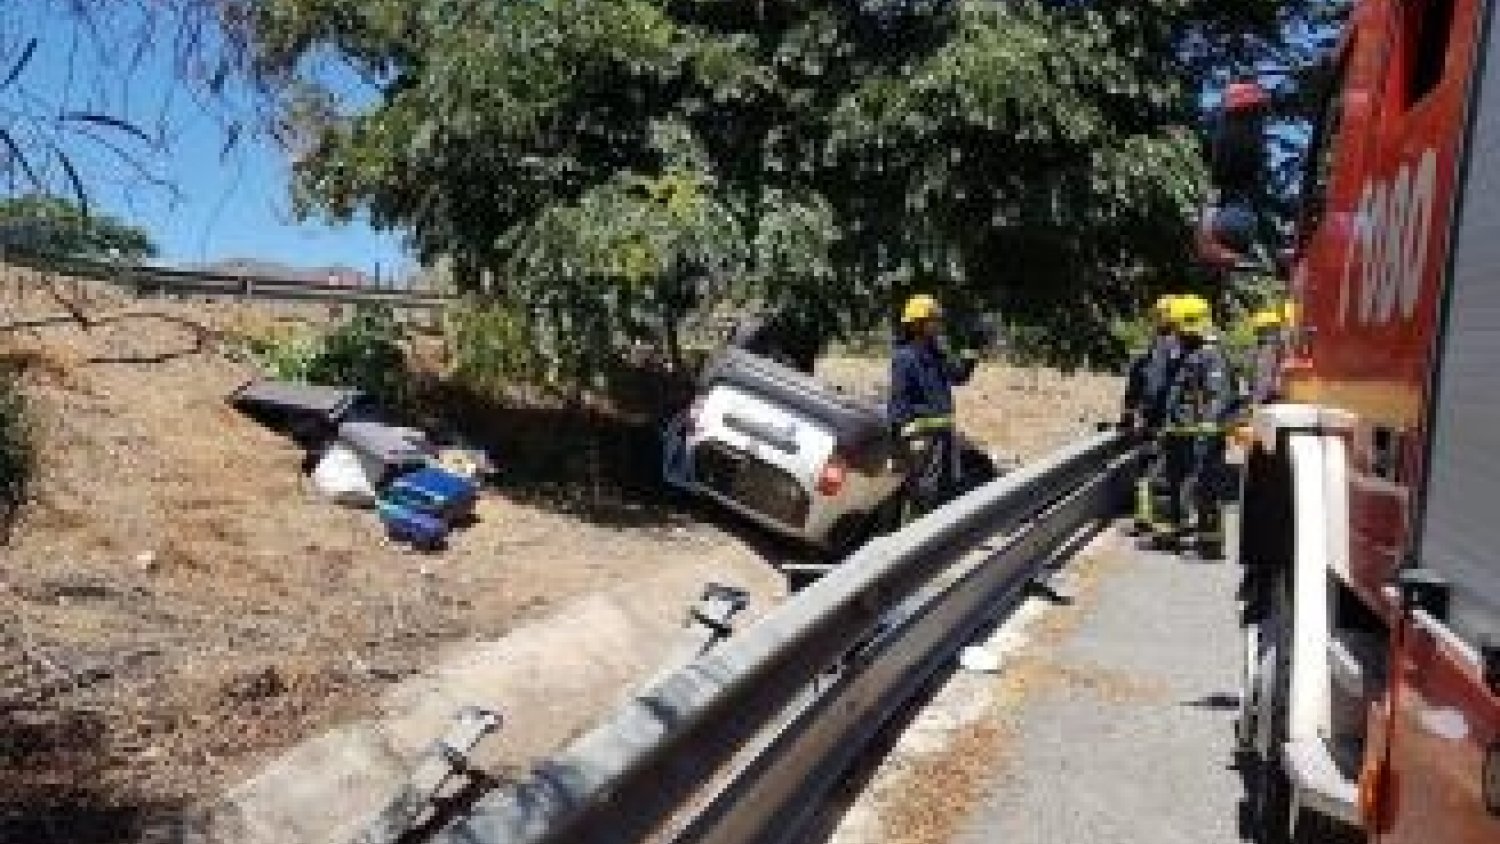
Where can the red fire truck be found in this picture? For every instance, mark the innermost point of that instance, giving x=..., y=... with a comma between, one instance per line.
x=1370, y=517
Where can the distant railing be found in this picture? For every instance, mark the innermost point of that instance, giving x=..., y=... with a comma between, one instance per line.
x=166, y=281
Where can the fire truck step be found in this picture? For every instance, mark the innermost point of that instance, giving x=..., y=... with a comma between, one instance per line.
x=1354, y=657
x=1320, y=785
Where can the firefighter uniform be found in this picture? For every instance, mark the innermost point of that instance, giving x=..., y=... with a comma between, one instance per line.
x=923, y=375
x=1265, y=365
x=1199, y=405
x=1151, y=371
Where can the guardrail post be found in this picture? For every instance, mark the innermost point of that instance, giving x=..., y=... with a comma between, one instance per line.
x=709, y=622
x=448, y=757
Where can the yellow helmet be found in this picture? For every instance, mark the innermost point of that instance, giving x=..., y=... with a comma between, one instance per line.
x=1192, y=315
x=919, y=307
x=1266, y=318
x=1162, y=310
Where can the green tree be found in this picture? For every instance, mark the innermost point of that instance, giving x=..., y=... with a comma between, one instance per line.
x=826, y=157
x=51, y=227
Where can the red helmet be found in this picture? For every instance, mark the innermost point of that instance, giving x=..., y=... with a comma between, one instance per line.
x=1244, y=95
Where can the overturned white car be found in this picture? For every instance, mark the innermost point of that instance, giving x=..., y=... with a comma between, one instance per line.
x=793, y=454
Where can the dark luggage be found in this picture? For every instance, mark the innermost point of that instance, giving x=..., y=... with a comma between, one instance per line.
x=308, y=413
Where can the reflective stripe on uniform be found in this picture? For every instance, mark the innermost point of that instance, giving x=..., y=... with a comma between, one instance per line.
x=927, y=424
x=1144, y=501
x=1204, y=429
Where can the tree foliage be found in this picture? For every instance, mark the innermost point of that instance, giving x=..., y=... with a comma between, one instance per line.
x=51, y=227
x=81, y=97
x=620, y=164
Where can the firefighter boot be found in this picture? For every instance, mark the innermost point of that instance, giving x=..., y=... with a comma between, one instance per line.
x=1209, y=483
x=1210, y=532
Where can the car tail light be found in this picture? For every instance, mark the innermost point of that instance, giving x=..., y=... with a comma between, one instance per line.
x=833, y=475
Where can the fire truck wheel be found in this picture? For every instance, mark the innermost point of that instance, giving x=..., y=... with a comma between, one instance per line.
x=1270, y=791
x=1244, y=723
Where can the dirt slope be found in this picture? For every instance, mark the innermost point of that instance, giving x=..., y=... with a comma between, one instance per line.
x=176, y=605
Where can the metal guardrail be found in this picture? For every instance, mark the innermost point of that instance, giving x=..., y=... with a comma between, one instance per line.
x=145, y=280
x=705, y=331
x=739, y=745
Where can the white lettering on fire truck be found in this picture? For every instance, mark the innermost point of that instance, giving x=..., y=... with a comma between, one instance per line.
x=1389, y=244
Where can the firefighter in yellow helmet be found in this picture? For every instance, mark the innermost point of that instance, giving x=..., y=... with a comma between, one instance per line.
x=1145, y=405
x=923, y=375
x=1145, y=384
x=1199, y=408
x=1269, y=325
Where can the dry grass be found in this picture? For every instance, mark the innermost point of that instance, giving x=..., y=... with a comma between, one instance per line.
x=176, y=605
x=1022, y=412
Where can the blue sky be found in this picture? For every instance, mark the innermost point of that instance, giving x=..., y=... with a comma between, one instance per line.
x=215, y=206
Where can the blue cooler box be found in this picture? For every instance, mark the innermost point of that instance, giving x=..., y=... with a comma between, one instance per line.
x=435, y=492
x=421, y=507
x=412, y=526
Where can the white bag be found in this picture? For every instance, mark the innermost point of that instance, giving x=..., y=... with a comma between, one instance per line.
x=343, y=477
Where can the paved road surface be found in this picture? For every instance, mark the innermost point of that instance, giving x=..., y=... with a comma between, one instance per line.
x=1109, y=722
x=1140, y=753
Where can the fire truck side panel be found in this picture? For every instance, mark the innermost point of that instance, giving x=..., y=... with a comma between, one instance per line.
x=1405, y=366
x=1444, y=745
x=1372, y=256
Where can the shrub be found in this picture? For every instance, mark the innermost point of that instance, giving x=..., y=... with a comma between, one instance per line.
x=365, y=351
x=284, y=355
x=492, y=345
x=17, y=452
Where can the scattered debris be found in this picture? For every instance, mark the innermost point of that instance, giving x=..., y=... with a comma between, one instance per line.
x=980, y=660
x=448, y=758
x=471, y=463
x=386, y=451
x=308, y=413
x=421, y=492
x=340, y=477
x=421, y=507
